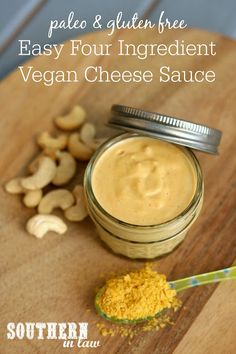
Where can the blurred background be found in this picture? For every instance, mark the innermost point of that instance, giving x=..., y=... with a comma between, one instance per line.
x=29, y=19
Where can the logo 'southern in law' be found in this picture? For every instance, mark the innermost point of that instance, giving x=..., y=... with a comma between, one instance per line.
x=71, y=333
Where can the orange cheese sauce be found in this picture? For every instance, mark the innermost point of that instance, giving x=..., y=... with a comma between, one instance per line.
x=144, y=181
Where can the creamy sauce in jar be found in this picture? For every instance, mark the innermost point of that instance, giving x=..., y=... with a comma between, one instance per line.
x=144, y=181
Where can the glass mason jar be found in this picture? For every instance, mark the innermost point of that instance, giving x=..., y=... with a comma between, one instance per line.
x=138, y=241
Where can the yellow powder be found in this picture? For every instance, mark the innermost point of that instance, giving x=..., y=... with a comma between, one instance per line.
x=136, y=295
x=114, y=329
x=131, y=331
x=157, y=323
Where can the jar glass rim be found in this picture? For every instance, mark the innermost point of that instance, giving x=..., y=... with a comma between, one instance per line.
x=110, y=142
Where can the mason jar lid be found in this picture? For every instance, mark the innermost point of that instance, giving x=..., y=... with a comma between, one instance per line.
x=167, y=128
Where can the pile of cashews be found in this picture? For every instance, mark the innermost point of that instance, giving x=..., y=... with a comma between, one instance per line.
x=56, y=165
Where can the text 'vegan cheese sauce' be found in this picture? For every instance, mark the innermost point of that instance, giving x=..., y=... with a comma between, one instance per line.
x=144, y=181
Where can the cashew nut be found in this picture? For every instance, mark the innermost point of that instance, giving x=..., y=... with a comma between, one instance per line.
x=39, y=225
x=14, y=186
x=77, y=212
x=66, y=169
x=58, y=198
x=87, y=134
x=78, y=149
x=46, y=171
x=32, y=167
x=45, y=140
x=72, y=120
x=32, y=198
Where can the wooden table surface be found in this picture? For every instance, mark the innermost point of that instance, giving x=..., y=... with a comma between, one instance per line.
x=53, y=279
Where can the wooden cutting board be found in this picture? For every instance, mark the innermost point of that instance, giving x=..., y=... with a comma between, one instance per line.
x=53, y=279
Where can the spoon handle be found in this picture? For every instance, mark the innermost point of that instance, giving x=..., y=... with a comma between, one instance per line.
x=202, y=279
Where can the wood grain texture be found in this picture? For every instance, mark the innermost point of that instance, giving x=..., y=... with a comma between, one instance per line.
x=210, y=326
x=53, y=279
